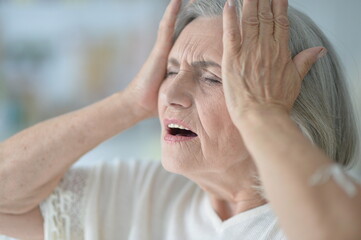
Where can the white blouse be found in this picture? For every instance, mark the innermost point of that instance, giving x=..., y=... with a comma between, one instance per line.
x=137, y=200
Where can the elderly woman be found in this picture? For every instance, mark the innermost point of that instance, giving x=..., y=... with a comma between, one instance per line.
x=255, y=121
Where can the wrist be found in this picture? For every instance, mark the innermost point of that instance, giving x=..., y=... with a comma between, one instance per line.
x=128, y=102
x=257, y=114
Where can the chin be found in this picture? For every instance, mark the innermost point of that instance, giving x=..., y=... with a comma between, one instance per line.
x=175, y=164
x=178, y=163
x=180, y=157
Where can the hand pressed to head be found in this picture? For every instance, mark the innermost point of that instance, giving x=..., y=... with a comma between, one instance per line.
x=257, y=68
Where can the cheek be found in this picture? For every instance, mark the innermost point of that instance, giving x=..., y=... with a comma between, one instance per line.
x=220, y=134
x=214, y=116
x=161, y=98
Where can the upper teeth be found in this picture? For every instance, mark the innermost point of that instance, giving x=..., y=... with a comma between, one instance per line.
x=172, y=125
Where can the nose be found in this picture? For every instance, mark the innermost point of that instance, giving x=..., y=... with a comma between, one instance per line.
x=177, y=91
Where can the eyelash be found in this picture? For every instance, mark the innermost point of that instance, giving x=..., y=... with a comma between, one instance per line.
x=209, y=80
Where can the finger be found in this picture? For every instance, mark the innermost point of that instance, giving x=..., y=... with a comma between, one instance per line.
x=166, y=26
x=250, y=22
x=231, y=28
x=281, y=28
x=265, y=17
x=307, y=58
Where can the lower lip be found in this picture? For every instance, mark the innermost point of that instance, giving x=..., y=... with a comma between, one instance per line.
x=171, y=138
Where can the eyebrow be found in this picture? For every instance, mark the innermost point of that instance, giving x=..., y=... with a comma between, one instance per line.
x=203, y=64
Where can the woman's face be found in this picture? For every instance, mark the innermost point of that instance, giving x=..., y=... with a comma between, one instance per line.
x=192, y=97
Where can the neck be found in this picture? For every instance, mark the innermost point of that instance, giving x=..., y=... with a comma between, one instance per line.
x=226, y=209
x=232, y=191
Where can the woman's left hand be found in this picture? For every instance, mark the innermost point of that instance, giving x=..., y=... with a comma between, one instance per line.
x=257, y=68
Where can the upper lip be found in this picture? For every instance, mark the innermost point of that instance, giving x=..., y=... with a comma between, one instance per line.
x=178, y=122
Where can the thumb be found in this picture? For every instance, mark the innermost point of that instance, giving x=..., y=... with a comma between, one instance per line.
x=305, y=59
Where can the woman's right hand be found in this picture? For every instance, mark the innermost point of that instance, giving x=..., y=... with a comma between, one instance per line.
x=33, y=162
x=142, y=92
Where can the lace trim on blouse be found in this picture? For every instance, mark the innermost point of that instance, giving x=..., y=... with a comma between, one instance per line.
x=63, y=211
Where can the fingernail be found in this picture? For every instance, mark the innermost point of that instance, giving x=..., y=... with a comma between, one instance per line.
x=322, y=53
x=231, y=3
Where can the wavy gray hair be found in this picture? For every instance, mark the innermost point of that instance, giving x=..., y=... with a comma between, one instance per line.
x=323, y=110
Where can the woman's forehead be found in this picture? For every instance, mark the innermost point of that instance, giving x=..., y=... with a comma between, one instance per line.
x=200, y=40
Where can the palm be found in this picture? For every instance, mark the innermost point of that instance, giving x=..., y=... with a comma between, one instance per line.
x=144, y=88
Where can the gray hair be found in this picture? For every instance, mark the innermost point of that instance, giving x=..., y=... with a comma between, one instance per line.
x=323, y=110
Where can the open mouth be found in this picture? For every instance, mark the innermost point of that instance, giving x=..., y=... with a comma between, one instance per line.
x=178, y=130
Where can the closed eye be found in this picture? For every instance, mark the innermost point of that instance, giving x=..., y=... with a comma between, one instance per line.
x=207, y=79
x=170, y=73
x=214, y=81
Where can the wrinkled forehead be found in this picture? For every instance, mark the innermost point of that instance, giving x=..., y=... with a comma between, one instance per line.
x=200, y=40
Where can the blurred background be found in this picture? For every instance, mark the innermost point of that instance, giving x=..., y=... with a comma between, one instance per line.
x=60, y=55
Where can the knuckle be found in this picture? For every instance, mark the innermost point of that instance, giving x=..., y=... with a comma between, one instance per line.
x=232, y=36
x=250, y=21
x=282, y=21
x=266, y=16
